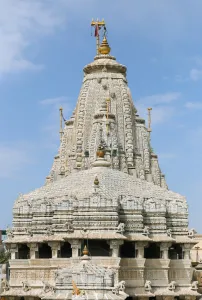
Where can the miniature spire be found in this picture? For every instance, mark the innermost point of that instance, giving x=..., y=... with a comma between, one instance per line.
x=85, y=250
x=98, y=25
x=149, y=122
x=61, y=118
x=108, y=111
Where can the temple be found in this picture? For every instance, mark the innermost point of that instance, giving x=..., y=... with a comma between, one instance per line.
x=104, y=225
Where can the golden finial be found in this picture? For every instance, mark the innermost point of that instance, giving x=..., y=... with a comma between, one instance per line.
x=104, y=47
x=96, y=181
x=101, y=151
x=85, y=250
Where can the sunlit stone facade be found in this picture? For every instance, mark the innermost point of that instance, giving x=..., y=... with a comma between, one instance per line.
x=106, y=191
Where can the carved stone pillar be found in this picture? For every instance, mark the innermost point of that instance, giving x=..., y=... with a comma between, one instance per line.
x=164, y=250
x=186, y=249
x=190, y=297
x=114, y=245
x=140, y=249
x=13, y=250
x=55, y=246
x=167, y=297
x=75, y=245
x=33, y=249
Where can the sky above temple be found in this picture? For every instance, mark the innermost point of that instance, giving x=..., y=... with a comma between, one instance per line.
x=44, y=45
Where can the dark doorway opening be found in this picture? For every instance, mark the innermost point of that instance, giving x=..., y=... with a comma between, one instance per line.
x=127, y=250
x=175, y=252
x=23, y=251
x=45, y=251
x=66, y=250
x=153, y=251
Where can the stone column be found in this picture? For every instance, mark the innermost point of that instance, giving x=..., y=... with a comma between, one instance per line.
x=55, y=246
x=168, y=297
x=189, y=297
x=164, y=249
x=186, y=248
x=33, y=249
x=13, y=250
x=75, y=245
x=140, y=248
x=114, y=245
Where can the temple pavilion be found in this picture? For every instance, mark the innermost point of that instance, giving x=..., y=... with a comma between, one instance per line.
x=105, y=224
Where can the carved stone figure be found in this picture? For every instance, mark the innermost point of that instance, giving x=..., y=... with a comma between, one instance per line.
x=194, y=286
x=69, y=227
x=119, y=287
x=25, y=286
x=191, y=233
x=9, y=233
x=172, y=286
x=5, y=285
x=169, y=232
x=48, y=287
x=147, y=286
x=121, y=228
x=146, y=230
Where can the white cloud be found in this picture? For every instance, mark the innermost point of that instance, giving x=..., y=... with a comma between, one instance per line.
x=193, y=105
x=160, y=98
x=161, y=110
x=53, y=101
x=22, y=23
x=195, y=74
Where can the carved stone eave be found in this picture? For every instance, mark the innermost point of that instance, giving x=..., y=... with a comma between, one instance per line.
x=137, y=237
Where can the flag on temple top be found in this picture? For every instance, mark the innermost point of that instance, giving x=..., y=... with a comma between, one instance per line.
x=96, y=30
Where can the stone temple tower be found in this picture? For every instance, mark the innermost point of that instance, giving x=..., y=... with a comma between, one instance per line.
x=104, y=225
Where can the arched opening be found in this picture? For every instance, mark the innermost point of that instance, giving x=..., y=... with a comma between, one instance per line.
x=175, y=252
x=23, y=252
x=153, y=251
x=45, y=251
x=97, y=247
x=66, y=250
x=127, y=250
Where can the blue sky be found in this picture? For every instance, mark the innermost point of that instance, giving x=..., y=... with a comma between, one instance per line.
x=44, y=47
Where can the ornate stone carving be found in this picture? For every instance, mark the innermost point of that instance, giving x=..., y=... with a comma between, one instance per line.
x=26, y=287
x=148, y=286
x=120, y=287
x=194, y=286
x=172, y=286
x=48, y=287
x=121, y=228
x=5, y=284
